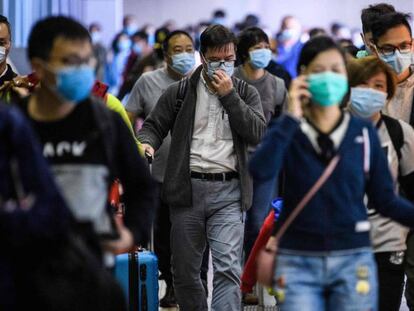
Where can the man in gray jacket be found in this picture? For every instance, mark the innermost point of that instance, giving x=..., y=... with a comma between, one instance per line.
x=206, y=184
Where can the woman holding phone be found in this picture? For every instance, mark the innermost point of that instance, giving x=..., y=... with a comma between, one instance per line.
x=325, y=260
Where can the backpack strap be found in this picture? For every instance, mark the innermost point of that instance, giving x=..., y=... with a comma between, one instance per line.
x=179, y=99
x=395, y=132
x=242, y=89
x=280, y=96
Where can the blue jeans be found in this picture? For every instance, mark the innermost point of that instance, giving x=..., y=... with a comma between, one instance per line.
x=263, y=193
x=346, y=282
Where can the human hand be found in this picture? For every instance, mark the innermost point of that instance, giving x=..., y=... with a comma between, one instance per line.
x=298, y=95
x=222, y=83
x=148, y=150
x=125, y=241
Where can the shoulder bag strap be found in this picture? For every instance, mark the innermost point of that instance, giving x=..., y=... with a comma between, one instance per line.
x=315, y=188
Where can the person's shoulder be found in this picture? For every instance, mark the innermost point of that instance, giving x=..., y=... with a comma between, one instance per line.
x=242, y=86
x=151, y=77
x=154, y=73
x=358, y=123
x=10, y=72
x=238, y=72
x=407, y=129
x=275, y=80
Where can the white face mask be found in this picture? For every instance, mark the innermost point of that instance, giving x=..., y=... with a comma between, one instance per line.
x=2, y=54
x=399, y=62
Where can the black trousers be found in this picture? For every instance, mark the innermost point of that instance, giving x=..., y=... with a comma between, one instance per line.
x=162, y=228
x=390, y=282
x=409, y=271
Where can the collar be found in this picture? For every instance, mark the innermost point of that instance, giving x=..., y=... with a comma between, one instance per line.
x=337, y=135
x=409, y=82
x=195, y=76
x=204, y=82
x=338, y=123
x=5, y=71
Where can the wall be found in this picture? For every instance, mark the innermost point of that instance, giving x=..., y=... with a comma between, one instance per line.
x=310, y=12
x=108, y=13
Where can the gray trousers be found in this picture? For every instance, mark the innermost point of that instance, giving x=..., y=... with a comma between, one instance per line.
x=215, y=217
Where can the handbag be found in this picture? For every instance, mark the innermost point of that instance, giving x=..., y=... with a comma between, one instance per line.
x=266, y=260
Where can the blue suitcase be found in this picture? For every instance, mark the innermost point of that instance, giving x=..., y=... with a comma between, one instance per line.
x=137, y=272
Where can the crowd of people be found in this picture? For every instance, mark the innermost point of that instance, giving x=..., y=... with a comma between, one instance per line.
x=233, y=117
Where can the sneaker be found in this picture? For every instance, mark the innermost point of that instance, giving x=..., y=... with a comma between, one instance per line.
x=168, y=301
x=250, y=299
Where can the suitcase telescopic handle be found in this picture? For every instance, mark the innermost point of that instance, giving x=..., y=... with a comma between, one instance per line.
x=149, y=157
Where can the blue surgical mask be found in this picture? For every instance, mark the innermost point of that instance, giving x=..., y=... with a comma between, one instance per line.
x=183, y=63
x=260, y=58
x=131, y=29
x=75, y=83
x=399, y=62
x=327, y=88
x=151, y=39
x=137, y=48
x=2, y=53
x=124, y=45
x=288, y=34
x=226, y=66
x=365, y=102
x=96, y=37
x=219, y=21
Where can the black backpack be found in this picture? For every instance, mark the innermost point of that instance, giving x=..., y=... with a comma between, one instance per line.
x=396, y=133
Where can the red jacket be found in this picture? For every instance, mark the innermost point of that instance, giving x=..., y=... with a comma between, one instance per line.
x=248, y=279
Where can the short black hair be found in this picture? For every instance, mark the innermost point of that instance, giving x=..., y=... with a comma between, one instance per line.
x=46, y=31
x=95, y=25
x=141, y=34
x=388, y=21
x=372, y=13
x=166, y=42
x=314, y=47
x=317, y=32
x=348, y=46
x=216, y=36
x=219, y=13
x=335, y=27
x=248, y=38
x=4, y=20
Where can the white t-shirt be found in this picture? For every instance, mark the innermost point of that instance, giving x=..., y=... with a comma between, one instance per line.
x=386, y=234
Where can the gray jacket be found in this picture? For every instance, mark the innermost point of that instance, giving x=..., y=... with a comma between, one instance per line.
x=247, y=125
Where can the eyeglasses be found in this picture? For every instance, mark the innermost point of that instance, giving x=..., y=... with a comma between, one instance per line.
x=217, y=64
x=389, y=50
